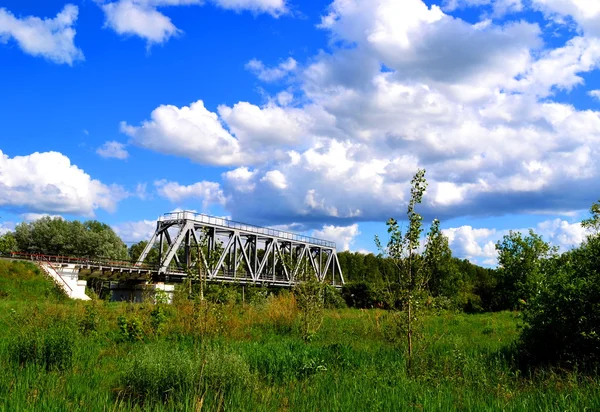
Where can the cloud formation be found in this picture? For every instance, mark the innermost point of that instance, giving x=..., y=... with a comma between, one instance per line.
x=49, y=183
x=132, y=232
x=404, y=85
x=113, y=150
x=343, y=236
x=478, y=244
x=51, y=38
x=270, y=74
x=142, y=18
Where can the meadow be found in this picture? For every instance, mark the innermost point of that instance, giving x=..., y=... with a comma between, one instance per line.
x=59, y=355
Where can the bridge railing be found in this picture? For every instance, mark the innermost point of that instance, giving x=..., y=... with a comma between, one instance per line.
x=81, y=260
x=231, y=224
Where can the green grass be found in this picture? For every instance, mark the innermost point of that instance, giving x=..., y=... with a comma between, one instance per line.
x=253, y=358
x=23, y=281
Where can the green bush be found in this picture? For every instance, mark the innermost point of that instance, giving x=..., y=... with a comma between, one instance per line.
x=130, y=328
x=563, y=320
x=90, y=320
x=158, y=317
x=333, y=298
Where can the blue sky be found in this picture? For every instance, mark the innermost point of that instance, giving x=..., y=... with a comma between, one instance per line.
x=311, y=116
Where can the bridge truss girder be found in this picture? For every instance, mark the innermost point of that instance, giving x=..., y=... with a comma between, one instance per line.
x=237, y=255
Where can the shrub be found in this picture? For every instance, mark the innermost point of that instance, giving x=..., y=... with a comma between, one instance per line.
x=157, y=319
x=90, y=319
x=130, y=328
x=333, y=298
x=360, y=295
x=562, y=321
x=280, y=312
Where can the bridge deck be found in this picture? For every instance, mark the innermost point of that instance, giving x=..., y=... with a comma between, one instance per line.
x=124, y=270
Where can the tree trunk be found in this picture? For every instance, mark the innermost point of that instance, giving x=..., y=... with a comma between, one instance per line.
x=409, y=334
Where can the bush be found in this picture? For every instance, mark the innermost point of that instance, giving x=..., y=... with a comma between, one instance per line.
x=333, y=298
x=90, y=320
x=562, y=321
x=130, y=328
x=360, y=295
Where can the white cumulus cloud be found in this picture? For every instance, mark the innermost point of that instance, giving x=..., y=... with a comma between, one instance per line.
x=135, y=231
x=595, y=94
x=270, y=74
x=51, y=38
x=142, y=18
x=403, y=86
x=343, y=236
x=114, y=150
x=208, y=192
x=273, y=7
x=49, y=183
x=193, y=132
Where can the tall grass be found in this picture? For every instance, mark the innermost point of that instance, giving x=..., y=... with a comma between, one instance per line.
x=72, y=356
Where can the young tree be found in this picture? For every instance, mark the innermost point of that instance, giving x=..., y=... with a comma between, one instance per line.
x=520, y=260
x=593, y=223
x=309, y=294
x=403, y=250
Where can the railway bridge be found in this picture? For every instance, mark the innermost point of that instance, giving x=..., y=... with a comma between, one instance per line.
x=187, y=244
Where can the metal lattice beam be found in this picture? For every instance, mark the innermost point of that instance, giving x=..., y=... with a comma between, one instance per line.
x=231, y=251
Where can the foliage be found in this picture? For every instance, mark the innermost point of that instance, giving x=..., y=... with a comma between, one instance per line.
x=136, y=250
x=520, y=260
x=414, y=269
x=130, y=328
x=90, y=320
x=56, y=236
x=8, y=243
x=332, y=298
x=250, y=364
x=563, y=321
x=309, y=298
x=158, y=317
x=592, y=224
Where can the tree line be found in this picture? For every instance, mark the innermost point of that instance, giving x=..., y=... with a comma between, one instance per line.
x=57, y=236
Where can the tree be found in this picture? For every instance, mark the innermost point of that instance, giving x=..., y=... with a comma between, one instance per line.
x=562, y=321
x=593, y=223
x=56, y=236
x=137, y=249
x=309, y=294
x=520, y=260
x=8, y=244
x=442, y=276
x=403, y=250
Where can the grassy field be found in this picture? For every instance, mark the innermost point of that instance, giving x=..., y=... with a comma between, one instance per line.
x=58, y=355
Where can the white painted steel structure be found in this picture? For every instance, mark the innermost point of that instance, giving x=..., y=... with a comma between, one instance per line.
x=238, y=252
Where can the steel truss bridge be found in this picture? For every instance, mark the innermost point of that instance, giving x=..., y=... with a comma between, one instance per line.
x=229, y=251
x=187, y=243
